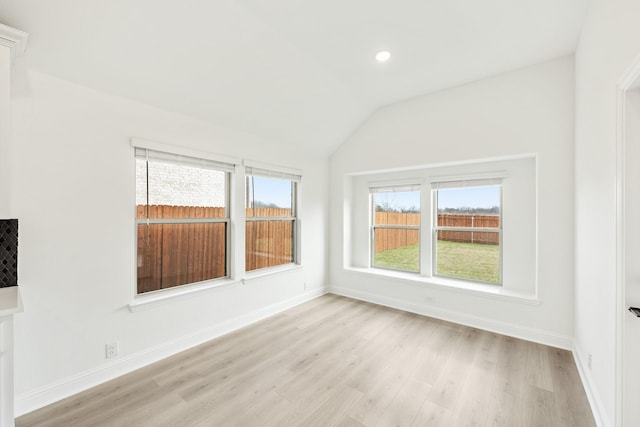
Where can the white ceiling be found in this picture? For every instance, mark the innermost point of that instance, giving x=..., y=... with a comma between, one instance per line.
x=294, y=71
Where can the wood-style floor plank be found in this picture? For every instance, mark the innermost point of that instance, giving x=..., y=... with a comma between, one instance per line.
x=335, y=361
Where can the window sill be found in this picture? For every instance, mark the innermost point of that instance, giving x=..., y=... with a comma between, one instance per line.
x=157, y=298
x=465, y=287
x=267, y=271
x=166, y=296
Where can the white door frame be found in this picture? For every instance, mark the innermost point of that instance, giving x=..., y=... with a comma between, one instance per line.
x=628, y=81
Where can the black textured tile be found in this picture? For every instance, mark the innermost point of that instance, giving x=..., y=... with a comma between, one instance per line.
x=8, y=252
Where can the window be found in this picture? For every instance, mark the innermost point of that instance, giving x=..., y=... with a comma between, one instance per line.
x=182, y=220
x=445, y=225
x=271, y=218
x=467, y=235
x=395, y=229
x=466, y=240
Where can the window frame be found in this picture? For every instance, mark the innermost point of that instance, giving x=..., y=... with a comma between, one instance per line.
x=428, y=227
x=143, y=151
x=394, y=187
x=521, y=216
x=295, y=178
x=435, y=228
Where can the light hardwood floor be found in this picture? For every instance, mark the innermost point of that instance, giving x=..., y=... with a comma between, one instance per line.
x=335, y=361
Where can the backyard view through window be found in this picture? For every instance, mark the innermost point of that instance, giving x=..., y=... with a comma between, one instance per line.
x=468, y=232
x=270, y=219
x=396, y=228
x=182, y=220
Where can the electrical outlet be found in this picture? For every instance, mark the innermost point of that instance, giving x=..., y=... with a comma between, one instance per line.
x=111, y=350
x=589, y=360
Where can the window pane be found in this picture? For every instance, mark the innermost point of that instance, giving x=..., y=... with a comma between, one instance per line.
x=481, y=237
x=269, y=197
x=470, y=201
x=466, y=253
x=392, y=207
x=469, y=261
x=396, y=247
x=269, y=243
x=179, y=191
x=176, y=254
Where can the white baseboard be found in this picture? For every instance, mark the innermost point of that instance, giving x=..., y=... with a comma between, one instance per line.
x=50, y=393
x=517, y=331
x=587, y=382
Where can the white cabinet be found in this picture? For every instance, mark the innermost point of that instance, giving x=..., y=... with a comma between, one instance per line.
x=10, y=304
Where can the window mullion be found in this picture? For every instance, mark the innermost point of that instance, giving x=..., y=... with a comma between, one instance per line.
x=426, y=221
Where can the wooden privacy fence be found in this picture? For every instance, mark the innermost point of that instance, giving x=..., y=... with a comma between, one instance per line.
x=472, y=221
x=392, y=238
x=268, y=243
x=175, y=254
x=388, y=239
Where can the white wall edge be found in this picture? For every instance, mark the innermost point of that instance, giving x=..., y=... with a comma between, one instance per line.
x=599, y=414
x=510, y=329
x=50, y=393
x=625, y=83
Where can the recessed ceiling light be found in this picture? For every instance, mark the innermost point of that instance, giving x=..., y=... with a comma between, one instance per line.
x=383, y=56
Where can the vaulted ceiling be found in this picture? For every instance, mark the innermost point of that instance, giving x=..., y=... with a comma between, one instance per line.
x=295, y=71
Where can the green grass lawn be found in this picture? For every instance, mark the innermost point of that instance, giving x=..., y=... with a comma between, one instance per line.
x=470, y=261
x=402, y=258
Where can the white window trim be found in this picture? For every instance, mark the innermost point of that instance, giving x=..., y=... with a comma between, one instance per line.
x=465, y=182
x=164, y=296
x=268, y=271
x=273, y=171
x=295, y=176
x=151, y=154
x=428, y=219
x=183, y=151
x=478, y=179
x=480, y=169
x=394, y=186
x=237, y=274
x=442, y=283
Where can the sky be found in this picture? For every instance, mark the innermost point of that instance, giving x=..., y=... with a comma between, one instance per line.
x=271, y=190
x=398, y=200
x=471, y=197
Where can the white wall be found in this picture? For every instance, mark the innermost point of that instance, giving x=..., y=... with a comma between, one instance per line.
x=610, y=42
x=5, y=132
x=73, y=191
x=525, y=111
